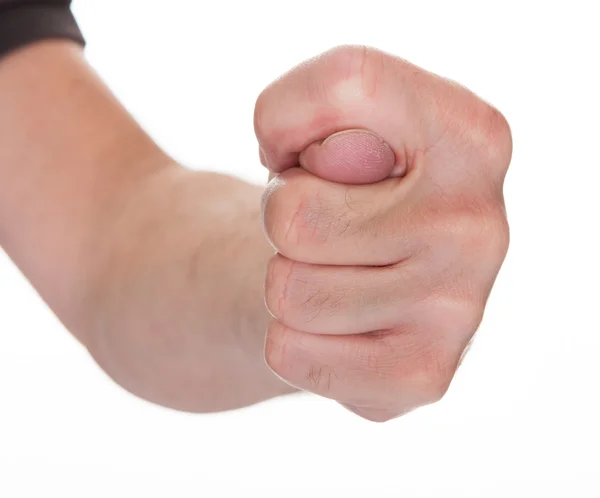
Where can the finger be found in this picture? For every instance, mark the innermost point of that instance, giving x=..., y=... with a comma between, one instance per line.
x=421, y=116
x=393, y=371
x=315, y=221
x=341, y=299
x=351, y=156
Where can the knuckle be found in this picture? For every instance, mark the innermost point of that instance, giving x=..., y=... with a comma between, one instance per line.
x=497, y=240
x=467, y=228
x=499, y=141
x=405, y=362
x=464, y=252
x=431, y=374
x=273, y=131
x=457, y=317
x=339, y=76
x=428, y=365
x=453, y=322
x=484, y=234
x=355, y=71
x=487, y=236
x=422, y=375
x=404, y=368
x=451, y=315
x=488, y=135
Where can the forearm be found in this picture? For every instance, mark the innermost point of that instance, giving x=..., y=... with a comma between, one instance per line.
x=181, y=319
x=158, y=270
x=69, y=153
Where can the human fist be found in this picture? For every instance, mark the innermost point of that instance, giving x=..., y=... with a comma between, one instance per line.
x=388, y=237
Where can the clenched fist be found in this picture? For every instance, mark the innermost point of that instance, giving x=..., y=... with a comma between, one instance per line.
x=388, y=219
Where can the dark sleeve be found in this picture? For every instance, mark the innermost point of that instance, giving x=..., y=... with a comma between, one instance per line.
x=26, y=21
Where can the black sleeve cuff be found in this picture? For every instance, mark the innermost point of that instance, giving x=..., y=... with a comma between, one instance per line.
x=23, y=25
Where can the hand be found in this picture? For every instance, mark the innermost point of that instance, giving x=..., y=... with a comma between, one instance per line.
x=388, y=240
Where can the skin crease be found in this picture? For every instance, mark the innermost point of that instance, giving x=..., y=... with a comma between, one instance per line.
x=388, y=239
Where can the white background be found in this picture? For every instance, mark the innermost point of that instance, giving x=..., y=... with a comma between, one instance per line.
x=521, y=418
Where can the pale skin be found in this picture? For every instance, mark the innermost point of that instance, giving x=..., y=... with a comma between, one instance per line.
x=380, y=250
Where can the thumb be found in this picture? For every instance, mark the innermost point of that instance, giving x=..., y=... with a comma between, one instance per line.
x=457, y=141
x=352, y=156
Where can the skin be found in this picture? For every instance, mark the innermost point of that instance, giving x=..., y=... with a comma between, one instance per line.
x=378, y=288
x=151, y=266
x=388, y=239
